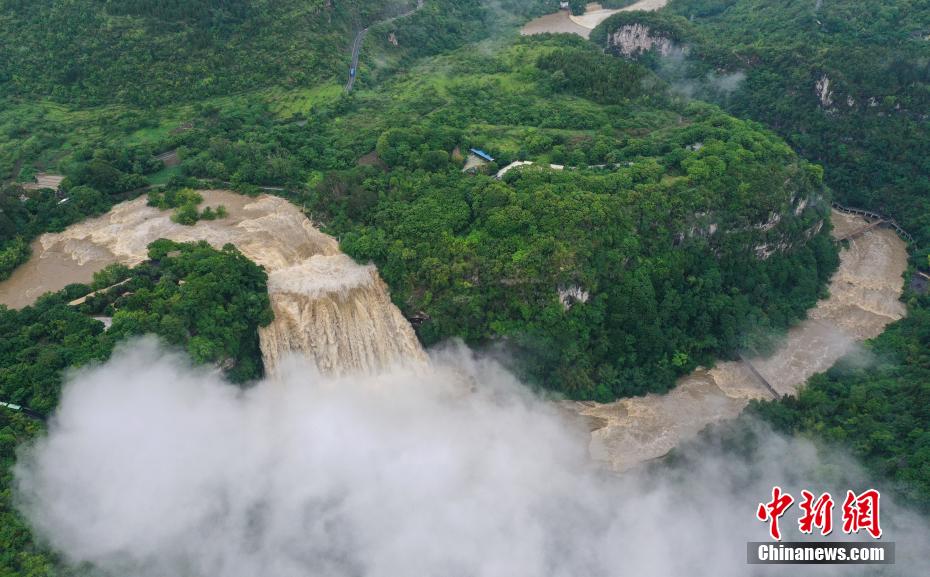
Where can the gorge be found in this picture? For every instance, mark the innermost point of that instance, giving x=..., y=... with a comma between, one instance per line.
x=339, y=315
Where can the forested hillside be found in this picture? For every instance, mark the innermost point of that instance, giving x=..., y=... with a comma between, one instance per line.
x=606, y=281
x=80, y=76
x=152, y=53
x=846, y=84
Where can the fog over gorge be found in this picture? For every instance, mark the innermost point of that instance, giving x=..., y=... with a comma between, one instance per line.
x=152, y=467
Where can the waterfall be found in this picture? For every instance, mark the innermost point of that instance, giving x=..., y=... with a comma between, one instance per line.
x=334, y=311
x=339, y=314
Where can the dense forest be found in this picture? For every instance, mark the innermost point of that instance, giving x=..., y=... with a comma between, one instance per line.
x=169, y=51
x=847, y=84
x=207, y=301
x=607, y=281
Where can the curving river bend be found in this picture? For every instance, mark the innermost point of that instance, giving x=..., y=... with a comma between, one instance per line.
x=564, y=21
x=864, y=299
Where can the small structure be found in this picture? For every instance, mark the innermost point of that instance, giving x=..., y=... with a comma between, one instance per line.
x=564, y=5
x=481, y=154
x=874, y=220
x=476, y=159
x=169, y=158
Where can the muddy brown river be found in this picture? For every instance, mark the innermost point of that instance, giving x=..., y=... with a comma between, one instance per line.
x=327, y=308
x=564, y=22
x=864, y=299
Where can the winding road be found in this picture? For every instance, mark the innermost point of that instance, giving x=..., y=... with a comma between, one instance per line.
x=360, y=40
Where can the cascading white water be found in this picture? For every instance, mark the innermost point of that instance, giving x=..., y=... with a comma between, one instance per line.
x=336, y=312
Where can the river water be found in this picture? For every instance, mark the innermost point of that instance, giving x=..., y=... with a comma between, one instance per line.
x=327, y=307
x=864, y=299
x=339, y=313
x=564, y=22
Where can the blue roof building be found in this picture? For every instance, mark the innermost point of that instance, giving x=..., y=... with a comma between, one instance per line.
x=481, y=154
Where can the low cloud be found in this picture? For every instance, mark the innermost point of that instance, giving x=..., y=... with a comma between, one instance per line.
x=154, y=468
x=715, y=86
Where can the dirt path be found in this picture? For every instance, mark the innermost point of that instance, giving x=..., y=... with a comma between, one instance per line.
x=864, y=298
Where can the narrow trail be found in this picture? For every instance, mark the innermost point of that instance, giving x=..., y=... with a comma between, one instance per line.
x=360, y=40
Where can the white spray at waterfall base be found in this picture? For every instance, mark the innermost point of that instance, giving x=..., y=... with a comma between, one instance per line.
x=153, y=468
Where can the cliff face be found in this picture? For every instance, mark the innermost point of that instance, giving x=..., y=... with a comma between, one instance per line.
x=786, y=218
x=634, y=39
x=824, y=92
